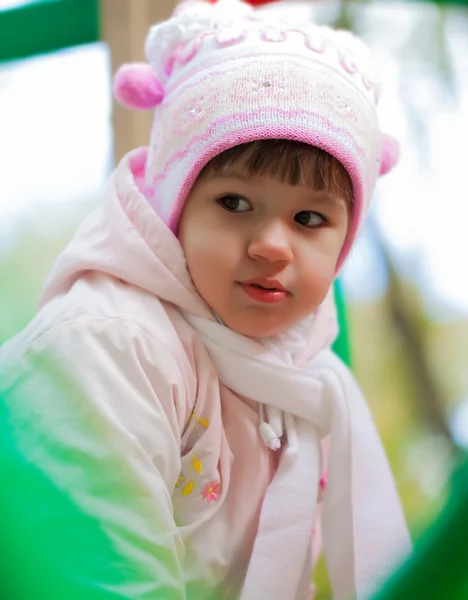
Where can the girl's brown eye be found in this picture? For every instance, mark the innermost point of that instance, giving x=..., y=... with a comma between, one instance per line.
x=235, y=204
x=309, y=218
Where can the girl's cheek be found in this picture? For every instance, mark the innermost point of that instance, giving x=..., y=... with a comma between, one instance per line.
x=318, y=276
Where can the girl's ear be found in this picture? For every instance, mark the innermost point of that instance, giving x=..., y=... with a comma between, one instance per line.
x=137, y=86
x=390, y=153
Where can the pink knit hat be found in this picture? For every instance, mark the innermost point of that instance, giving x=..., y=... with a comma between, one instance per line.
x=225, y=74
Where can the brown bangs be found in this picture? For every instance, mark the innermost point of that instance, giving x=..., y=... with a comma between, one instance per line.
x=287, y=161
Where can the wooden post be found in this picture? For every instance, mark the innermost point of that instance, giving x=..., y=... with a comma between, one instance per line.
x=124, y=26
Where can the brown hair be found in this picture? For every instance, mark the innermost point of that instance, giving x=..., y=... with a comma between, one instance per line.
x=287, y=161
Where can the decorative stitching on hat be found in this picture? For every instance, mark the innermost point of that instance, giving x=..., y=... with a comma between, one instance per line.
x=236, y=35
x=218, y=68
x=192, y=105
x=215, y=124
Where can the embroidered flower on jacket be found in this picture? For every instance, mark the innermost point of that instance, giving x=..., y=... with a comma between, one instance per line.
x=210, y=491
x=190, y=479
x=323, y=482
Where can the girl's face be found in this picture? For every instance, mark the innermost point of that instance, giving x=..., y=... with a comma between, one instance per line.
x=261, y=253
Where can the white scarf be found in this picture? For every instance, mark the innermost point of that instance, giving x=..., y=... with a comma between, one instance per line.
x=364, y=531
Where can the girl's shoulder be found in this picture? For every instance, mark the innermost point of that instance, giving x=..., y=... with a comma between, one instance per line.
x=112, y=341
x=120, y=316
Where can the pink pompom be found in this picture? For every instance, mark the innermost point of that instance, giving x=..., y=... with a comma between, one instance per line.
x=390, y=153
x=137, y=86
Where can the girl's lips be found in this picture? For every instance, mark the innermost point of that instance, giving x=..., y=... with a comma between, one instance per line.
x=260, y=294
x=265, y=282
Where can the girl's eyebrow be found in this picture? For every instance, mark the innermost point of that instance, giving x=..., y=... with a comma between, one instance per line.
x=231, y=175
x=323, y=197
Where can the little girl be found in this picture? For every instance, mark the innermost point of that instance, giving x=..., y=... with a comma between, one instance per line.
x=178, y=381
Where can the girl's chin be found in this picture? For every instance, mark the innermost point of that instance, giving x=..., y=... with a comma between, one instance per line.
x=255, y=328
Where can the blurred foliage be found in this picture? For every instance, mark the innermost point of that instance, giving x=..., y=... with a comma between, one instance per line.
x=431, y=571
x=24, y=267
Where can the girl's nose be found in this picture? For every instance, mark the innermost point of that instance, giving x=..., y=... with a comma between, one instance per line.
x=271, y=243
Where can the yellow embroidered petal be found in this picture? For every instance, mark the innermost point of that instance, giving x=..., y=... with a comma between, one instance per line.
x=197, y=465
x=179, y=481
x=188, y=489
x=204, y=422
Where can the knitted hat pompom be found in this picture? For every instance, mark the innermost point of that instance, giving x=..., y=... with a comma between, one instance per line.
x=390, y=153
x=137, y=86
